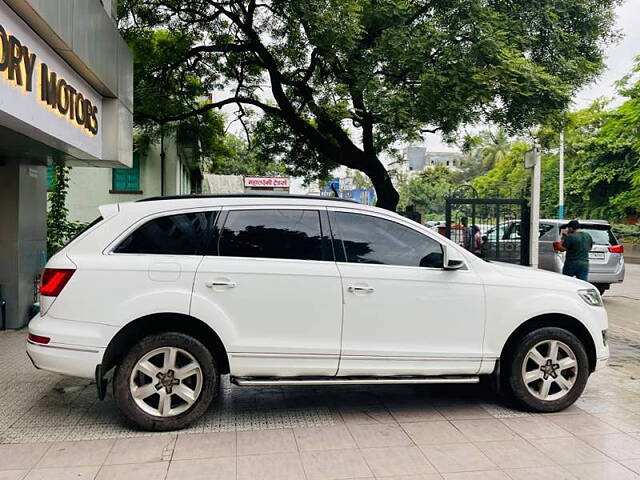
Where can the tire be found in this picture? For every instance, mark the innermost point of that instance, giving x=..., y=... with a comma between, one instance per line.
x=170, y=401
x=602, y=287
x=565, y=384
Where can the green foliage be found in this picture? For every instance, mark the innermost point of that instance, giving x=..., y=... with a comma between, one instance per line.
x=603, y=157
x=232, y=156
x=349, y=78
x=59, y=229
x=162, y=93
x=602, y=161
x=494, y=147
x=629, y=234
x=427, y=191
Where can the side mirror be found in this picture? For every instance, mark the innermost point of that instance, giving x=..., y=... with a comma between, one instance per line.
x=452, y=262
x=454, y=265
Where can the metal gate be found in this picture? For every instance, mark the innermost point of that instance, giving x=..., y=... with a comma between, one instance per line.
x=502, y=225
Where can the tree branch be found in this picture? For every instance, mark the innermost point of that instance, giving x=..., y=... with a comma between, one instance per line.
x=210, y=106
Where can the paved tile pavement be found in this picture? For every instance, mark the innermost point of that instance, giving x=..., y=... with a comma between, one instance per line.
x=51, y=427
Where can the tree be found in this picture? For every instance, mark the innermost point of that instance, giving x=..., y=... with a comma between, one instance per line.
x=494, y=146
x=602, y=160
x=427, y=191
x=348, y=78
x=160, y=93
x=232, y=156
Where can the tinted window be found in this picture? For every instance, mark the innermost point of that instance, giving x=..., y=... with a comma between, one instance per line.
x=375, y=240
x=170, y=235
x=600, y=236
x=289, y=234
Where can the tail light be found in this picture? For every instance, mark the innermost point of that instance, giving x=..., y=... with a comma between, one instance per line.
x=616, y=249
x=53, y=281
x=39, y=339
x=556, y=246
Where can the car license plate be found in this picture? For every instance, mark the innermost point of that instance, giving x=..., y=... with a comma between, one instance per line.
x=596, y=255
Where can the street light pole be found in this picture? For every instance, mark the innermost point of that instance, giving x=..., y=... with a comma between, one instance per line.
x=561, y=178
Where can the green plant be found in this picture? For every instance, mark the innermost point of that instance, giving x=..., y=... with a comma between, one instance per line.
x=59, y=229
x=629, y=234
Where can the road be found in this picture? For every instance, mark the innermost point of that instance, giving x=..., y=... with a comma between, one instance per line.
x=622, y=302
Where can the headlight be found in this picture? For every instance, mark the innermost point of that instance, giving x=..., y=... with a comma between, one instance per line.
x=591, y=296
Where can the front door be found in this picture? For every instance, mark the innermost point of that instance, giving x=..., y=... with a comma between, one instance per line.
x=403, y=313
x=271, y=289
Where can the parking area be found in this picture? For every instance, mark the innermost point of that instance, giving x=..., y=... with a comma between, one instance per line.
x=53, y=427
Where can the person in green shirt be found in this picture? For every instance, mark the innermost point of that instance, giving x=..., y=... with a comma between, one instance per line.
x=576, y=244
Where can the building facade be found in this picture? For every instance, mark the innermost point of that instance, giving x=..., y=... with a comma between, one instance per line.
x=66, y=91
x=418, y=159
x=91, y=187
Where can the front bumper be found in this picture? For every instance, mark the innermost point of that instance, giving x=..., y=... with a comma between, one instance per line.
x=601, y=362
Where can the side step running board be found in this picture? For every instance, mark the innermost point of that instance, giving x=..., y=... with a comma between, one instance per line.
x=249, y=381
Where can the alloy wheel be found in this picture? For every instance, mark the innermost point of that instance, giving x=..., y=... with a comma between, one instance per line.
x=166, y=381
x=549, y=370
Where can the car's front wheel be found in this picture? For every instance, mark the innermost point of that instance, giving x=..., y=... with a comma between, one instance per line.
x=549, y=370
x=165, y=382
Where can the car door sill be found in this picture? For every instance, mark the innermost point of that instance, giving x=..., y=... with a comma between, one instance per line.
x=250, y=381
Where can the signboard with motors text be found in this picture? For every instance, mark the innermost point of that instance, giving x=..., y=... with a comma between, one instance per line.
x=41, y=96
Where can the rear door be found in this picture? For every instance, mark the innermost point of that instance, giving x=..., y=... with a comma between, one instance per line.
x=270, y=287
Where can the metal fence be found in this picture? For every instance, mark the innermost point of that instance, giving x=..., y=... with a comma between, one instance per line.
x=492, y=228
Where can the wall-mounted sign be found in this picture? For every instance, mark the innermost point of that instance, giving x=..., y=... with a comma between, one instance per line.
x=20, y=66
x=41, y=96
x=274, y=182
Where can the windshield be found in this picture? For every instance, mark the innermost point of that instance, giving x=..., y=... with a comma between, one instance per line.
x=600, y=234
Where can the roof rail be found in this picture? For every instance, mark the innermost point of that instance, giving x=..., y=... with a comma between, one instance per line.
x=246, y=195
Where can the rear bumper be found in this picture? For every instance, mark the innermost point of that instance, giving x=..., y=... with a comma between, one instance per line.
x=601, y=277
x=69, y=360
x=75, y=348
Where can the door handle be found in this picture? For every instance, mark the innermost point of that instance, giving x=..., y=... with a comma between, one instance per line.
x=354, y=289
x=221, y=283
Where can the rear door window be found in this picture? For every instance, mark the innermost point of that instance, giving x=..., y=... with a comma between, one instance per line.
x=180, y=234
x=275, y=233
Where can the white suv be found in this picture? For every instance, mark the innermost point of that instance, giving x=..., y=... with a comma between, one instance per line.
x=171, y=293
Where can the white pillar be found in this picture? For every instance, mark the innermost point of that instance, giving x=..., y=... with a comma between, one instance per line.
x=533, y=160
x=561, y=178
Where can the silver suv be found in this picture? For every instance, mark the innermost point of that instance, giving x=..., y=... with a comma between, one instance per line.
x=606, y=259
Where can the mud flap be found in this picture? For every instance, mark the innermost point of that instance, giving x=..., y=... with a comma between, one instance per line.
x=101, y=382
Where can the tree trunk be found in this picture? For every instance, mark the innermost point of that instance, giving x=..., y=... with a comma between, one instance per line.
x=387, y=196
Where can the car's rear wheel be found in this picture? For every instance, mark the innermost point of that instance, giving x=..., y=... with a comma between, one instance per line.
x=549, y=370
x=166, y=381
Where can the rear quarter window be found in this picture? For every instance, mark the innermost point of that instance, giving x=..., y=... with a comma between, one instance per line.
x=181, y=234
